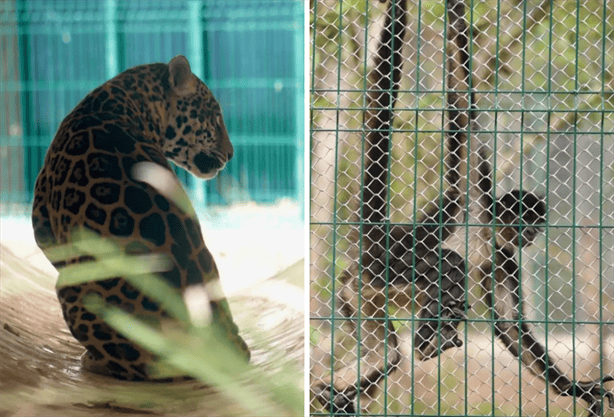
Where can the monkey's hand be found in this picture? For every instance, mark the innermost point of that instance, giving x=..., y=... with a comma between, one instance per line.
x=593, y=393
x=341, y=402
x=426, y=341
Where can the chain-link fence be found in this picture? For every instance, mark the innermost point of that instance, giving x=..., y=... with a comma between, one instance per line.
x=54, y=52
x=544, y=77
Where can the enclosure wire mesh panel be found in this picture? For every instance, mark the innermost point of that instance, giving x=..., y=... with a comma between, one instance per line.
x=54, y=52
x=543, y=73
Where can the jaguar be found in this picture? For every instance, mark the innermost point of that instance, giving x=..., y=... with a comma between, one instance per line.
x=145, y=116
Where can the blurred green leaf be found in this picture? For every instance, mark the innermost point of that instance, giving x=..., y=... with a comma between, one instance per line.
x=203, y=353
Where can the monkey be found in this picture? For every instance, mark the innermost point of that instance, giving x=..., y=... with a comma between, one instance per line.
x=416, y=256
x=428, y=263
x=517, y=216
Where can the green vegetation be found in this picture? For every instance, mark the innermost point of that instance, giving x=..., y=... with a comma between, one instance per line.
x=186, y=346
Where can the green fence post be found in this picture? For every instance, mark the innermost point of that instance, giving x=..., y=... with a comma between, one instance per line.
x=111, y=38
x=197, y=190
x=11, y=167
x=299, y=54
x=29, y=155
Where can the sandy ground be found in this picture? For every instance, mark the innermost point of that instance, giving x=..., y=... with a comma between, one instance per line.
x=481, y=378
x=260, y=258
x=484, y=373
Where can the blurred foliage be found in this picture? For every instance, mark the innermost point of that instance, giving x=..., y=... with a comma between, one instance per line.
x=185, y=345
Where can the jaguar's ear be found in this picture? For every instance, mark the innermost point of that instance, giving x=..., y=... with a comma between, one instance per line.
x=181, y=78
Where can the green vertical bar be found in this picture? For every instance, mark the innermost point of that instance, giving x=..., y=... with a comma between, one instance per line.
x=196, y=187
x=335, y=214
x=601, y=191
x=440, y=220
x=299, y=103
x=548, y=135
x=111, y=37
x=573, y=199
x=416, y=134
x=31, y=163
x=11, y=191
x=387, y=219
x=520, y=298
x=361, y=206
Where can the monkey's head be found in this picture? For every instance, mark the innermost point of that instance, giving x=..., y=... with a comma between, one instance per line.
x=519, y=219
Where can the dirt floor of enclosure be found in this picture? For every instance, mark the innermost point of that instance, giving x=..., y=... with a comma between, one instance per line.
x=40, y=373
x=485, y=374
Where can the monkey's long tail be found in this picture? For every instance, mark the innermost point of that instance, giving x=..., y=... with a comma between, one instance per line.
x=384, y=85
x=339, y=395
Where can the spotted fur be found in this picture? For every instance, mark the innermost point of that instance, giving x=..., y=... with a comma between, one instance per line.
x=150, y=113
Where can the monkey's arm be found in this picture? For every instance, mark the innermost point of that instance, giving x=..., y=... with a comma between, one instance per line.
x=519, y=340
x=338, y=392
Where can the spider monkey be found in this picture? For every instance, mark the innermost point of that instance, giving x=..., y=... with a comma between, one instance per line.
x=425, y=263
x=394, y=259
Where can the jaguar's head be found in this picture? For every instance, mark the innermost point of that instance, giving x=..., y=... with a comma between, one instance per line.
x=195, y=137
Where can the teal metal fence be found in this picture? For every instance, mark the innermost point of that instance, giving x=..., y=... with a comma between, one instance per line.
x=249, y=52
x=544, y=79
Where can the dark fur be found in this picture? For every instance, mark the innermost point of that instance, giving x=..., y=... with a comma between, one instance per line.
x=513, y=211
x=410, y=264
x=144, y=116
x=399, y=259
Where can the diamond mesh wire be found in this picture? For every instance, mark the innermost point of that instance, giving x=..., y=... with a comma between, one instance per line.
x=544, y=77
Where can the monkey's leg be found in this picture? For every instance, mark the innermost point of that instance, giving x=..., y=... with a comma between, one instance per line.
x=378, y=337
x=436, y=279
x=521, y=342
